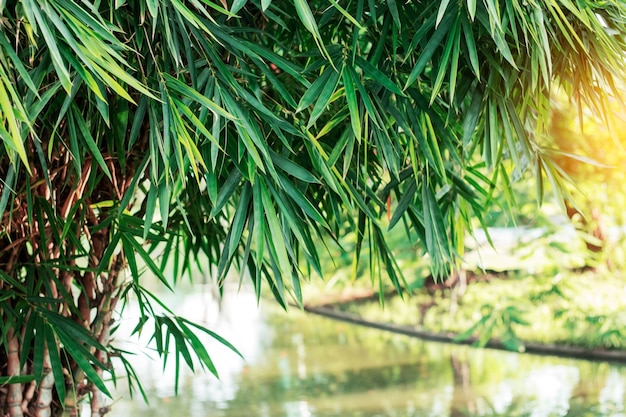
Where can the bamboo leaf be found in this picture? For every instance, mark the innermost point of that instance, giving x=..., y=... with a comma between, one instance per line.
x=294, y=169
x=470, y=43
x=429, y=50
x=237, y=6
x=315, y=90
x=16, y=379
x=375, y=74
x=347, y=15
x=393, y=9
x=353, y=105
x=55, y=362
x=471, y=8
x=276, y=237
x=403, y=204
x=442, y=11
x=301, y=200
x=306, y=17
x=77, y=118
x=324, y=98
x=187, y=91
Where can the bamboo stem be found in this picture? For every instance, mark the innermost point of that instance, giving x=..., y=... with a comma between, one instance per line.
x=29, y=394
x=14, y=398
x=103, y=327
x=44, y=394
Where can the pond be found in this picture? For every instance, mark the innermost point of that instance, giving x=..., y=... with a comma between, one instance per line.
x=299, y=365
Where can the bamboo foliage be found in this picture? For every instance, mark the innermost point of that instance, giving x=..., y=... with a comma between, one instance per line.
x=150, y=135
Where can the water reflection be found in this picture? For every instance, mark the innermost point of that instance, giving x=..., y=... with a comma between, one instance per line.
x=306, y=366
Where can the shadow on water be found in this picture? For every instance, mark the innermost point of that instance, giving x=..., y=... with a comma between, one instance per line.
x=300, y=365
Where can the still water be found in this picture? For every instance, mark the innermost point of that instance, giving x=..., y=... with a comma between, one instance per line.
x=299, y=365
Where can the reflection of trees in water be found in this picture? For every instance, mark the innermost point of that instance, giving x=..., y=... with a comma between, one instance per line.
x=463, y=397
x=351, y=371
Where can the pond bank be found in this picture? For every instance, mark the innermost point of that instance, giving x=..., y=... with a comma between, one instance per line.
x=534, y=348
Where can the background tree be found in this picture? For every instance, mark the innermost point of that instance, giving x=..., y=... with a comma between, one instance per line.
x=595, y=163
x=138, y=135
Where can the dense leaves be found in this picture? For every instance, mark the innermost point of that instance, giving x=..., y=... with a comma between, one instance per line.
x=154, y=135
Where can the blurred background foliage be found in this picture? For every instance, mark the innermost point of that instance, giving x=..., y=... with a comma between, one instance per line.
x=555, y=274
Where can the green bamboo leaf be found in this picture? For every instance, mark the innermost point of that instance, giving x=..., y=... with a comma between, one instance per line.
x=353, y=105
x=146, y=258
x=301, y=200
x=445, y=58
x=82, y=357
x=435, y=228
x=324, y=98
x=377, y=75
x=16, y=379
x=471, y=8
x=19, y=66
x=429, y=50
x=151, y=202
x=442, y=11
x=433, y=145
x=76, y=117
x=62, y=72
x=393, y=9
x=347, y=15
x=313, y=92
x=55, y=362
x=454, y=65
x=259, y=228
x=471, y=46
x=367, y=102
x=164, y=202
x=184, y=89
x=39, y=347
x=198, y=347
x=407, y=199
x=227, y=192
x=239, y=220
x=181, y=132
x=275, y=278
x=275, y=238
x=306, y=17
x=14, y=139
x=294, y=169
x=338, y=119
x=472, y=117
x=237, y=6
